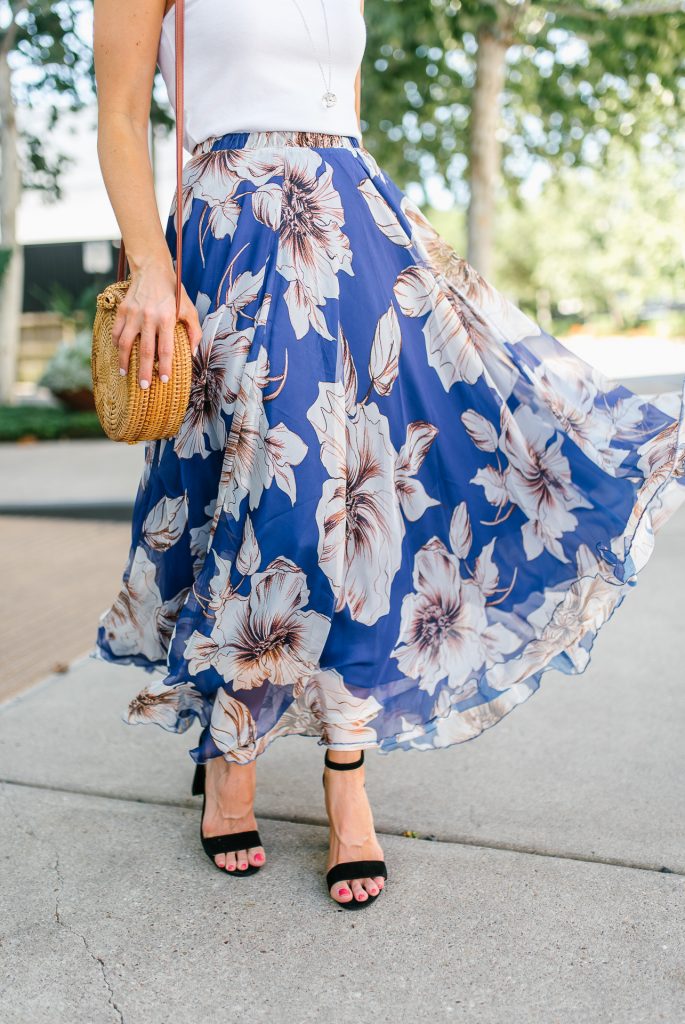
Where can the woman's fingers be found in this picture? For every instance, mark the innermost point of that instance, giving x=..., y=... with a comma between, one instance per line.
x=154, y=324
x=165, y=348
x=148, y=337
x=127, y=336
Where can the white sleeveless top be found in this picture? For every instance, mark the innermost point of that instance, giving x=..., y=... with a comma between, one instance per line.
x=251, y=65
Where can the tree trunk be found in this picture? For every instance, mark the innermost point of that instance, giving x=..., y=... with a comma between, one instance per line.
x=485, y=149
x=12, y=281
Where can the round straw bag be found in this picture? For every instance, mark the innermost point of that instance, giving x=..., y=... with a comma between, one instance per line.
x=126, y=411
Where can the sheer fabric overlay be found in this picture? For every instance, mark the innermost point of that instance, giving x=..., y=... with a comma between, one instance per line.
x=394, y=501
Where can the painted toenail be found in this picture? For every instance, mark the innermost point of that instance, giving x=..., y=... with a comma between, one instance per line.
x=231, y=867
x=242, y=866
x=258, y=856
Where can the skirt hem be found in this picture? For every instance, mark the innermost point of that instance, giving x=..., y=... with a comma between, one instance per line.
x=517, y=692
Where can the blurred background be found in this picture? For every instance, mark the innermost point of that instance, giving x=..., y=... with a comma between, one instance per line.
x=545, y=140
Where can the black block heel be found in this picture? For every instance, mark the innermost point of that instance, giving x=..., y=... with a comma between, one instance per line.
x=213, y=845
x=353, y=868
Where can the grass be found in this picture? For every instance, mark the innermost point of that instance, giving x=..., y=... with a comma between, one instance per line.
x=38, y=423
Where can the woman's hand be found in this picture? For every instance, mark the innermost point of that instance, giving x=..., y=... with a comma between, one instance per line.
x=149, y=309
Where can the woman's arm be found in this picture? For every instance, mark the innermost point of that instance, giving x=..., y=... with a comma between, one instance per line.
x=358, y=86
x=126, y=37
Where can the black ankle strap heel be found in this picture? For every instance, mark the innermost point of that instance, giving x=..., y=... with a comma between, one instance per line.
x=213, y=845
x=353, y=869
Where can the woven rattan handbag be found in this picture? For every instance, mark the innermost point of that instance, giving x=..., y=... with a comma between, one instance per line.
x=126, y=411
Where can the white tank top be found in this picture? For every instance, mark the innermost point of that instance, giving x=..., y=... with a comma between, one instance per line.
x=251, y=65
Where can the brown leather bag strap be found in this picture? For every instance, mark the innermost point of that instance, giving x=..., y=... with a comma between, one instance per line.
x=179, y=40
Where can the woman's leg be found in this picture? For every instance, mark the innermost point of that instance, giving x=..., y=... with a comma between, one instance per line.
x=230, y=790
x=352, y=835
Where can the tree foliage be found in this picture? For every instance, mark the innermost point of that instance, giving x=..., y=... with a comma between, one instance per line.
x=577, y=74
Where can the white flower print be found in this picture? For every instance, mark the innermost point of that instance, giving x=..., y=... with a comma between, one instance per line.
x=307, y=211
x=538, y=480
x=562, y=621
x=571, y=396
x=232, y=727
x=217, y=367
x=165, y=704
x=249, y=555
x=441, y=624
x=216, y=179
x=200, y=537
x=266, y=636
x=452, y=334
x=411, y=492
x=360, y=525
x=386, y=219
x=385, y=353
x=326, y=707
x=257, y=454
x=139, y=621
x=505, y=321
x=166, y=521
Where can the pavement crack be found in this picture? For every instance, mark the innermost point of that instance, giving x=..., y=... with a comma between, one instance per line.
x=79, y=935
x=23, y=824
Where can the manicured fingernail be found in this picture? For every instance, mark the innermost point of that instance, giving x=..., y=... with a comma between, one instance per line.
x=164, y=378
x=145, y=384
x=122, y=371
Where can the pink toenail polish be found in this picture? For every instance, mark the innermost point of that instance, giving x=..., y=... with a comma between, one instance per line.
x=231, y=867
x=343, y=892
x=242, y=866
x=258, y=856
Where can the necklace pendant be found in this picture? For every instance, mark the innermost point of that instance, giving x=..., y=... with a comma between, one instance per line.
x=329, y=98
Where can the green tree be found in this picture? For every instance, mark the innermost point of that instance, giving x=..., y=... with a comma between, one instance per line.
x=46, y=70
x=612, y=249
x=477, y=90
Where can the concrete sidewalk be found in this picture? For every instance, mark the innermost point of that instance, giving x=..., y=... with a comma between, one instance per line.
x=552, y=890
x=88, y=478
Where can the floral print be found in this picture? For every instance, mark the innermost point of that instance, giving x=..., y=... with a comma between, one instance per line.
x=394, y=501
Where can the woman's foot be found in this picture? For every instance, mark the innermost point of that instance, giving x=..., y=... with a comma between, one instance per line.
x=352, y=835
x=229, y=808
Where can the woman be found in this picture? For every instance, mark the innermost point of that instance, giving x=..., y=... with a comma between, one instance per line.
x=394, y=501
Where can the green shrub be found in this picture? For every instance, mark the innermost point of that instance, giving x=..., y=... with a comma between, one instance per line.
x=18, y=422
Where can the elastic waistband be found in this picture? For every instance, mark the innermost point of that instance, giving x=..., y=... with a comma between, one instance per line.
x=250, y=140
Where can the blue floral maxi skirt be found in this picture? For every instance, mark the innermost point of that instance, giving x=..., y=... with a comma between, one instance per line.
x=394, y=500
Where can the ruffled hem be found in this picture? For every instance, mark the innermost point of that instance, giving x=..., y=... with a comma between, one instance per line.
x=439, y=732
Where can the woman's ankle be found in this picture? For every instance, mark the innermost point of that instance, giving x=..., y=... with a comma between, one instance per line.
x=343, y=756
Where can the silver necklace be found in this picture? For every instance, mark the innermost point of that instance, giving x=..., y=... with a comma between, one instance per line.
x=329, y=98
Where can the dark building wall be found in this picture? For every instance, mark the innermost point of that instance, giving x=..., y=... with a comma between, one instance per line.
x=70, y=266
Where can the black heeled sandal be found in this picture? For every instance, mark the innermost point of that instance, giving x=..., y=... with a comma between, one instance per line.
x=213, y=845
x=353, y=868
